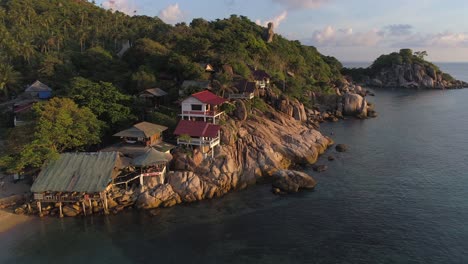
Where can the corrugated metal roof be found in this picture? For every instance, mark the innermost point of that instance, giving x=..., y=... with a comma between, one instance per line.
x=208, y=97
x=38, y=86
x=142, y=130
x=155, y=92
x=79, y=172
x=197, y=129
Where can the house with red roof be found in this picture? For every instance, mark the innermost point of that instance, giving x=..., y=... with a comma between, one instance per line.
x=205, y=136
x=204, y=106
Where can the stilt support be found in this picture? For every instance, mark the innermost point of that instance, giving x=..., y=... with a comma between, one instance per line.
x=84, y=208
x=39, y=207
x=61, y=211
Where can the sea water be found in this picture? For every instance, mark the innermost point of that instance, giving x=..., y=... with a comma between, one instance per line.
x=399, y=195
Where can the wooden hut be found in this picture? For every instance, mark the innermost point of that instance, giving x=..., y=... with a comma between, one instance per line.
x=78, y=178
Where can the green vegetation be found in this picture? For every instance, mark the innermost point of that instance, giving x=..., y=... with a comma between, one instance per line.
x=72, y=46
x=61, y=125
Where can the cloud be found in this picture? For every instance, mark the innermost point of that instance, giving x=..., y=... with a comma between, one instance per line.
x=399, y=29
x=330, y=36
x=124, y=6
x=275, y=20
x=171, y=14
x=298, y=4
x=393, y=36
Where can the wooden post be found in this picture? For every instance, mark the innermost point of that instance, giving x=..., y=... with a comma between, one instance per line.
x=106, y=207
x=84, y=208
x=29, y=208
x=60, y=208
x=141, y=179
x=39, y=208
x=90, y=206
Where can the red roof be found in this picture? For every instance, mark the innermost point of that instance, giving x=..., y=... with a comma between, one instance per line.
x=208, y=97
x=196, y=129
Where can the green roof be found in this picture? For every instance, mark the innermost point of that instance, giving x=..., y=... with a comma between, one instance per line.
x=152, y=157
x=142, y=130
x=79, y=172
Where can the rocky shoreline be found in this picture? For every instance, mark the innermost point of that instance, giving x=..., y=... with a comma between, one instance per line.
x=256, y=146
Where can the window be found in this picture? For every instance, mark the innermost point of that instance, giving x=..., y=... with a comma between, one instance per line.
x=196, y=107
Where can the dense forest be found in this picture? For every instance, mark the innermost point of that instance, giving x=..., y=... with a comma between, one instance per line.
x=73, y=46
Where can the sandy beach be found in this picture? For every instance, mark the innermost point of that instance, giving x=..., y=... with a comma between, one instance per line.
x=8, y=188
x=9, y=220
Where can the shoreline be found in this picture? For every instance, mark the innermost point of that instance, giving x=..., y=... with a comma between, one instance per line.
x=9, y=220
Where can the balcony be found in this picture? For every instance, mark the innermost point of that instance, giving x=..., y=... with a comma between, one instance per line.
x=211, y=114
x=242, y=96
x=199, y=142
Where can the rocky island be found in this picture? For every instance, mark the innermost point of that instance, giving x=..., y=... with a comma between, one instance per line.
x=404, y=69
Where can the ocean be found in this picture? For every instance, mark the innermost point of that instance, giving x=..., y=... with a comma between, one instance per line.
x=399, y=195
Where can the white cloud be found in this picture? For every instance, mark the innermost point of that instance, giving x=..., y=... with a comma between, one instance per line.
x=275, y=20
x=297, y=4
x=171, y=14
x=124, y=6
x=330, y=36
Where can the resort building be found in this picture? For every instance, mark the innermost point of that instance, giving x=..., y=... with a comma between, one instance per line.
x=38, y=90
x=262, y=79
x=205, y=136
x=202, y=106
x=78, y=178
x=144, y=133
x=153, y=97
x=152, y=164
x=243, y=90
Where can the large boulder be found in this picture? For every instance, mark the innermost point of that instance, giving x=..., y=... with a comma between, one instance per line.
x=187, y=185
x=291, y=181
x=354, y=105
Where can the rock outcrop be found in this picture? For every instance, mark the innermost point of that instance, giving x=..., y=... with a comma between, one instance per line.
x=291, y=181
x=414, y=75
x=270, y=33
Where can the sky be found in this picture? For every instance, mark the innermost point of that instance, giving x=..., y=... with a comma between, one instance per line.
x=351, y=30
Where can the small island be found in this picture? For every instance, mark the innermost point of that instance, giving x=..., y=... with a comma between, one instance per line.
x=404, y=69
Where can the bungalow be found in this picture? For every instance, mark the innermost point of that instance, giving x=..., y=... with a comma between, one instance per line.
x=189, y=86
x=78, y=178
x=38, y=90
x=144, y=133
x=206, y=136
x=243, y=90
x=153, y=164
x=261, y=78
x=154, y=96
x=202, y=105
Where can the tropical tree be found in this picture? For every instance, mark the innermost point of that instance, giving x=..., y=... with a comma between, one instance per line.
x=103, y=99
x=8, y=78
x=61, y=125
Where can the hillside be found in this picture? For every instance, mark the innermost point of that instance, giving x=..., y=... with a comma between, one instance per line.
x=97, y=62
x=404, y=69
x=55, y=41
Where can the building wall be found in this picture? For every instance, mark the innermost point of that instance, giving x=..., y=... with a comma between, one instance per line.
x=187, y=104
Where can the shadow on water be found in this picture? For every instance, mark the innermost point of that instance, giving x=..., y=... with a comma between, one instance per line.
x=398, y=196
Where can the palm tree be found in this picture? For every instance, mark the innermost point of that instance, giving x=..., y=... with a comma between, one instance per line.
x=8, y=78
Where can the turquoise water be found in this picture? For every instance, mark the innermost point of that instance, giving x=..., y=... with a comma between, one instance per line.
x=400, y=195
